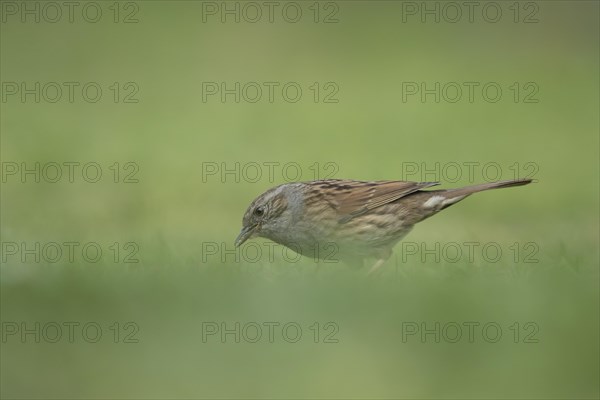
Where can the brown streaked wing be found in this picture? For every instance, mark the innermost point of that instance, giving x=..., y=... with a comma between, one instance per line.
x=353, y=198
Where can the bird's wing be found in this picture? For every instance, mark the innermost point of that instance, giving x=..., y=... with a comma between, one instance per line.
x=353, y=198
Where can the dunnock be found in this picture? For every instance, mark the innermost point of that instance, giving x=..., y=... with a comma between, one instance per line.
x=347, y=219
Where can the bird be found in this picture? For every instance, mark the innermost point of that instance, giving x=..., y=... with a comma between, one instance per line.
x=350, y=220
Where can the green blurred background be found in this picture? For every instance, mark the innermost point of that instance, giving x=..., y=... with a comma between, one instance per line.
x=175, y=211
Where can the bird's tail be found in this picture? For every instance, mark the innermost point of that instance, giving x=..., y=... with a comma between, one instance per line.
x=440, y=199
x=465, y=191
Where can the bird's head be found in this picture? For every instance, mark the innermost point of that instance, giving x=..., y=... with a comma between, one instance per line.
x=268, y=214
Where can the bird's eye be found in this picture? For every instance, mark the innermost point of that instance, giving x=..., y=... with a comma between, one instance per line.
x=259, y=211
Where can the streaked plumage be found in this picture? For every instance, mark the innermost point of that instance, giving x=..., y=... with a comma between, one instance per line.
x=359, y=219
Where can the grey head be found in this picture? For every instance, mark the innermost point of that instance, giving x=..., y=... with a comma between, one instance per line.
x=272, y=213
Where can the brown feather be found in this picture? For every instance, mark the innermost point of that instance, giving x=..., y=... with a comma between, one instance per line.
x=354, y=198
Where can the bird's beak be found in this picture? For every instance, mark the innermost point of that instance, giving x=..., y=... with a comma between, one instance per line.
x=244, y=235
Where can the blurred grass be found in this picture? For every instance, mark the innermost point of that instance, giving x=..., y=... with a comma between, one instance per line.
x=368, y=135
x=370, y=360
